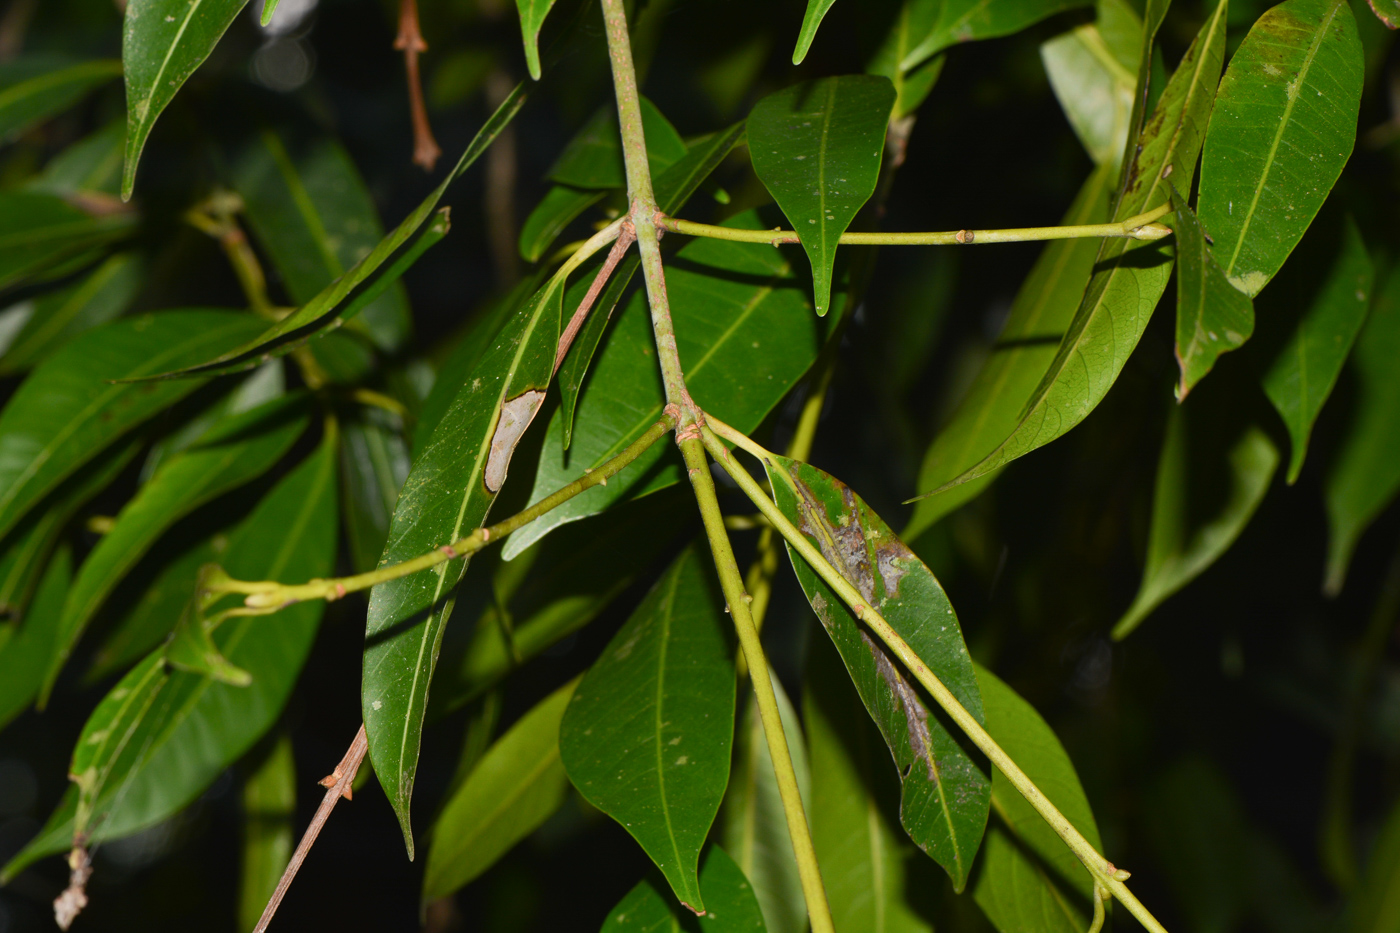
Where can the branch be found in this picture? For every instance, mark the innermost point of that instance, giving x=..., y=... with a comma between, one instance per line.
x=625, y=238
x=410, y=41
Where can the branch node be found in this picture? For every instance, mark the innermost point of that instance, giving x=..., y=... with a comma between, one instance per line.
x=965, y=236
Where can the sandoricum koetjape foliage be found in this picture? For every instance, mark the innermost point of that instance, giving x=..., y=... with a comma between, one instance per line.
x=881, y=465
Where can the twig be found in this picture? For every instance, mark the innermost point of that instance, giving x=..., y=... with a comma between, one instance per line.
x=337, y=784
x=410, y=42
x=625, y=238
x=499, y=196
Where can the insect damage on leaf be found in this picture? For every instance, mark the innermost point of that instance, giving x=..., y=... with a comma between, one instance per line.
x=516, y=415
x=847, y=545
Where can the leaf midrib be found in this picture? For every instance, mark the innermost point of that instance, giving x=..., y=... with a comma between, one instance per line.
x=304, y=205
x=666, y=617
x=145, y=105
x=71, y=74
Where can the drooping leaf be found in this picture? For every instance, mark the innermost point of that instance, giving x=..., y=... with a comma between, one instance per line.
x=1284, y=125
x=374, y=463
x=648, y=908
x=745, y=335
x=448, y=493
x=1093, y=71
x=593, y=158
x=1212, y=316
x=234, y=452
x=25, y=653
x=938, y=24
x=36, y=87
x=1365, y=475
x=992, y=406
x=944, y=798
x=647, y=736
x=755, y=825
x=1376, y=905
x=269, y=807
x=1301, y=377
x=817, y=146
x=556, y=210
x=196, y=727
x=39, y=231
x=854, y=806
x=816, y=11
x=68, y=412
x=1029, y=880
x=1212, y=474
x=532, y=14
x=59, y=316
x=515, y=787
x=1129, y=275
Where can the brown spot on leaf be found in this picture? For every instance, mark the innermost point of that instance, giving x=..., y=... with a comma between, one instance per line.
x=915, y=713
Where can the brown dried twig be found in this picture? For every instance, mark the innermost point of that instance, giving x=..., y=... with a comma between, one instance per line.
x=625, y=238
x=410, y=42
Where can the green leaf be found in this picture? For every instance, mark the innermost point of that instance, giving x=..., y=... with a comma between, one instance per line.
x=938, y=24
x=556, y=210
x=24, y=655
x=163, y=42
x=745, y=335
x=191, y=646
x=320, y=313
x=1129, y=275
x=593, y=158
x=1029, y=880
x=854, y=807
x=647, y=736
x=92, y=164
x=39, y=231
x=59, y=316
x=1213, y=472
x=1375, y=906
x=36, y=87
x=269, y=8
x=992, y=405
x=1093, y=72
x=68, y=411
x=1284, y=125
x=816, y=11
x=374, y=463
x=448, y=493
x=236, y=451
x=1212, y=316
x=532, y=14
x=816, y=146
x=269, y=807
x=1365, y=475
x=754, y=823
x=914, y=80
x=944, y=798
x=516, y=786
x=196, y=727
x=733, y=908
x=1387, y=11
x=1301, y=377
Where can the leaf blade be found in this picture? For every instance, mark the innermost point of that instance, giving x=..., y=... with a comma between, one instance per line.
x=1212, y=316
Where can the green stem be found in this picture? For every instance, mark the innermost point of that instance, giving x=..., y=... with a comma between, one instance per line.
x=1103, y=871
x=1141, y=227
x=270, y=596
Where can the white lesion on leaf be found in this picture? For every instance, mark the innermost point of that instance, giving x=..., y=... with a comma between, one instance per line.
x=516, y=415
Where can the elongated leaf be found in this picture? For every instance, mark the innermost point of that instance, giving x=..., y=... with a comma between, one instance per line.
x=60, y=316
x=234, y=452
x=1365, y=475
x=593, y=158
x=532, y=14
x=816, y=11
x=163, y=42
x=556, y=210
x=1211, y=477
x=992, y=406
x=326, y=310
x=1376, y=906
x=196, y=727
x=1284, y=125
x=34, y=88
x=944, y=799
x=448, y=493
x=938, y=24
x=745, y=335
x=92, y=164
x=912, y=82
x=515, y=787
x=269, y=807
x=854, y=807
x=1030, y=881
x=817, y=148
x=733, y=909
x=374, y=463
x=68, y=412
x=647, y=736
x=1387, y=11
x=755, y=825
x=1301, y=378
x=1093, y=71
x=38, y=231
x=25, y=654
x=1212, y=316
x=1129, y=275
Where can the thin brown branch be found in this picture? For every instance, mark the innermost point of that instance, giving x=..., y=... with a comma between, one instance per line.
x=500, y=188
x=625, y=238
x=410, y=41
x=337, y=784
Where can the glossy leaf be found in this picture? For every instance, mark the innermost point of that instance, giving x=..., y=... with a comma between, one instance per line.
x=36, y=87
x=1387, y=11
x=374, y=463
x=556, y=210
x=754, y=824
x=1029, y=880
x=1301, y=377
x=646, y=738
x=68, y=412
x=1212, y=316
x=38, y=231
x=515, y=787
x=269, y=807
x=532, y=14
x=745, y=335
x=944, y=798
x=1284, y=125
x=1365, y=475
x=163, y=42
x=816, y=11
x=648, y=908
x=938, y=24
x=1129, y=275
x=57, y=317
x=24, y=655
x=593, y=158
x=912, y=81
x=1376, y=904
x=853, y=807
x=448, y=493
x=817, y=148
x=1211, y=477
x=992, y=406
x=1093, y=72
x=196, y=727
